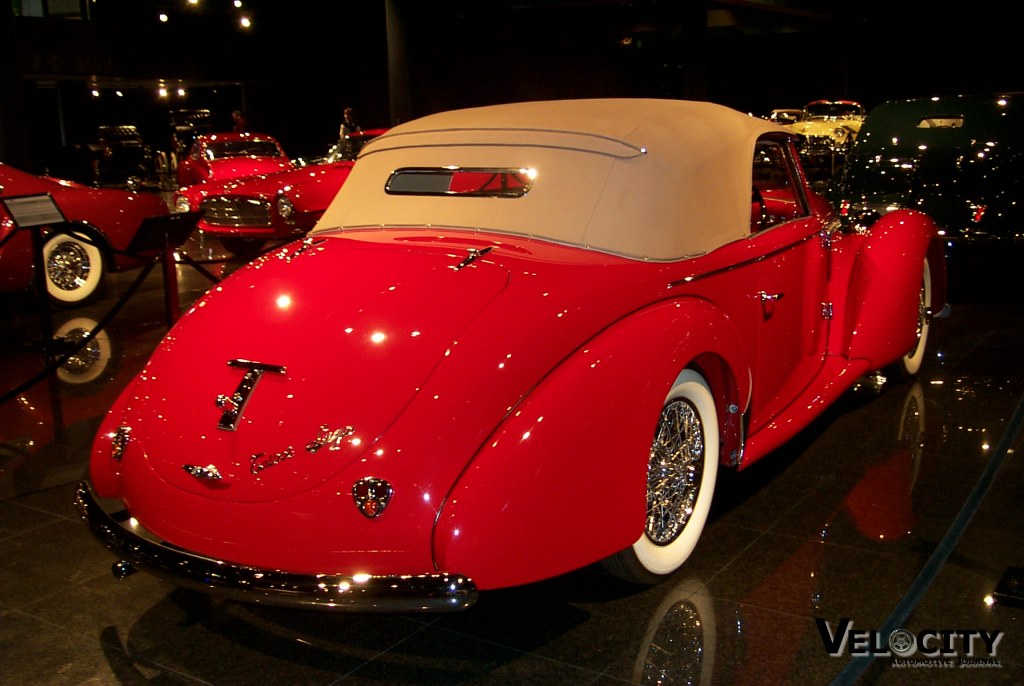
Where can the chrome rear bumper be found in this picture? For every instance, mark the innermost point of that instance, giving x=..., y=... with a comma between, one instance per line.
x=439, y=592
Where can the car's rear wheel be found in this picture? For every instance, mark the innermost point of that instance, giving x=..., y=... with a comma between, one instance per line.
x=681, y=474
x=74, y=269
x=910, y=364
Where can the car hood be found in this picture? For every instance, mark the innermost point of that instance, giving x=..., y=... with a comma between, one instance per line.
x=246, y=166
x=311, y=188
x=269, y=185
x=813, y=127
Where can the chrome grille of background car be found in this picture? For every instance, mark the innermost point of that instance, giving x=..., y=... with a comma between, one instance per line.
x=235, y=211
x=817, y=144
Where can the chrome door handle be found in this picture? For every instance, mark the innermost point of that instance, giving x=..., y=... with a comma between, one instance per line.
x=769, y=297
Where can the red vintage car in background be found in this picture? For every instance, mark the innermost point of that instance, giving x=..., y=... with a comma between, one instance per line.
x=245, y=213
x=223, y=156
x=107, y=220
x=522, y=339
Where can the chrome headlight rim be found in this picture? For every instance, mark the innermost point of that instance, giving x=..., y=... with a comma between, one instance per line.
x=181, y=204
x=284, y=206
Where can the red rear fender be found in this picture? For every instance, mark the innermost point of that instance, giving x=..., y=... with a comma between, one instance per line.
x=562, y=480
x=882, y=300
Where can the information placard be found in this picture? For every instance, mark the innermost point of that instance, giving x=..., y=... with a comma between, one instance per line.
x=33, y=210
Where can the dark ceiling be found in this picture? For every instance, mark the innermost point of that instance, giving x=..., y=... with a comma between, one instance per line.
x=300, y=63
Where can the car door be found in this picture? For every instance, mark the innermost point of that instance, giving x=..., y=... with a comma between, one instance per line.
x=791, y=283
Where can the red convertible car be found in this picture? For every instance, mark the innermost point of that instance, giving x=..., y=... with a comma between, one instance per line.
x=244, y=213
x=104, y=222
x=522, y=339
x=223, y=156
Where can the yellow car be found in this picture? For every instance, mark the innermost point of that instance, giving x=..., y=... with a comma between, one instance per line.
x=829, y=126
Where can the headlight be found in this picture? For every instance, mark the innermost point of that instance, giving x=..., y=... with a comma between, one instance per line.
x=285, y=208
x=181, y=204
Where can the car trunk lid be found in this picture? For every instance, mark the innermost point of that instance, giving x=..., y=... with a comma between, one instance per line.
x=286, y=371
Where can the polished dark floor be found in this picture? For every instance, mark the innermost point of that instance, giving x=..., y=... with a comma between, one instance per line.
x=835, y=525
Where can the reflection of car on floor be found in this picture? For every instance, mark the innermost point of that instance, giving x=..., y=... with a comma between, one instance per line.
x=224, y=156
x=538, y=330
x=244, y=213
x=960, y=159
x=829, y=126
x=75, y=267
x=39, y=421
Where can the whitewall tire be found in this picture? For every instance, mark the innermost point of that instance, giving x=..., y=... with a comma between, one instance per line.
x=910, y=364
x=681, y=474
x=74, y=269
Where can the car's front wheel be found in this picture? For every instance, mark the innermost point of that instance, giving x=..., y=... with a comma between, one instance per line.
x=681, y=473
x=910, y=364
x=74, y=269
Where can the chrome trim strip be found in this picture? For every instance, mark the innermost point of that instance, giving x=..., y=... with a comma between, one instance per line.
x=627, y=150
x=440, y=592
x=234, y=404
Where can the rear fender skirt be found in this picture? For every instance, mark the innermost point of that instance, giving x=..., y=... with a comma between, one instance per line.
x=562, y=481
x=882, y=299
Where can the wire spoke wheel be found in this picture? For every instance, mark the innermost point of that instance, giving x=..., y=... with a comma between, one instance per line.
x=674, y=472
x=74, y=269
x=68, y=266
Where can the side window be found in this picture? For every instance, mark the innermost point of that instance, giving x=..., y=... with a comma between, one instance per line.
x=774, y=198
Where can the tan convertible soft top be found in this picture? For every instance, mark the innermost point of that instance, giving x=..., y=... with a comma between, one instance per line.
x=645, y=178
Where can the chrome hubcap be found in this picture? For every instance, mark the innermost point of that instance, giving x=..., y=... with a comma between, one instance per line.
x=68, y=266
x=674, y=471
x=86, y=358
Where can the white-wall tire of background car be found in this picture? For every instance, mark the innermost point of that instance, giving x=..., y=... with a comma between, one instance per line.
x=681, y=474
x=92, y=361
x=74, y=268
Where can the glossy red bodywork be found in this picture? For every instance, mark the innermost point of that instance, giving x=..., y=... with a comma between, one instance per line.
x=222, y=156
x=478, y=392
x=492, y=332
x=310, y=189
x=113, y=215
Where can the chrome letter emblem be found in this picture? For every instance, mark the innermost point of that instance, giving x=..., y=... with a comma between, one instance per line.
x=260, y=461
x=328, y=437
x=208, y=472
x=234, y=404
x=372, y=496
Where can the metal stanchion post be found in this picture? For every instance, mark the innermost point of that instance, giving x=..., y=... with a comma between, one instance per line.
x=172, y=299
